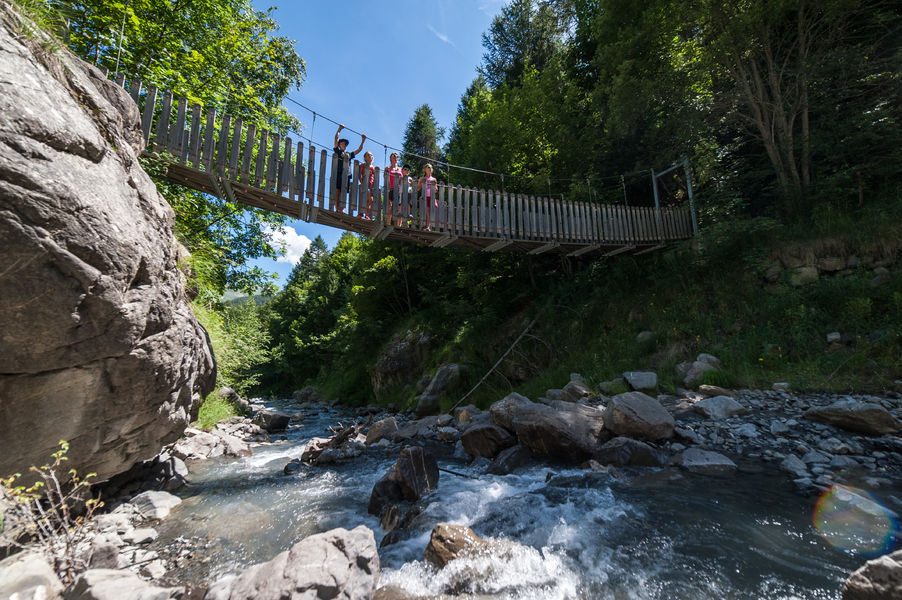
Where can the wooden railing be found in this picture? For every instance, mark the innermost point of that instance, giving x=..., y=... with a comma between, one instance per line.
x=219, y=154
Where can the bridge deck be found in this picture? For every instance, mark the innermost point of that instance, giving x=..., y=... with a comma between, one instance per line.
x=217, y=155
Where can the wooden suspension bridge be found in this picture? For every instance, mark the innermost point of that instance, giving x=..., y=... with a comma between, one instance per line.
x=217, y=154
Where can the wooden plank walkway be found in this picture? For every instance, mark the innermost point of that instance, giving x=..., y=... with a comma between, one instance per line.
x=218, y=155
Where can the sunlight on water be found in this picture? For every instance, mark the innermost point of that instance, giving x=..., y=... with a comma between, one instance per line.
x=851, y=519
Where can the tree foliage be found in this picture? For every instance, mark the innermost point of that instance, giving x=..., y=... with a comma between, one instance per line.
x=217, y=53
x=421, y=139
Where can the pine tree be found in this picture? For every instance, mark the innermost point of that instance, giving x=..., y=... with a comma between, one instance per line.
x=421, y=139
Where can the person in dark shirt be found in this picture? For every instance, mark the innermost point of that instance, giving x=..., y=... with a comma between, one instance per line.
x=341, y=147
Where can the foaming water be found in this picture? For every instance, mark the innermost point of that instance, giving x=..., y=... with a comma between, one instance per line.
x=564, y=533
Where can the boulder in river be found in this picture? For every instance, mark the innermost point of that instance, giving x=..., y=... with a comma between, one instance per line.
x=627, y=452
x=448, y=542
x=705, y=462
x=634, y=414
x=113, y=584
x=414, y=474
x=99, y=345
x=338, y=564
x=272, y=421
x=486, y=440
x=564, y=430
x=511, y=459
x=867, y=418
x=200, y=445
x=878, y=579
x=382, y=429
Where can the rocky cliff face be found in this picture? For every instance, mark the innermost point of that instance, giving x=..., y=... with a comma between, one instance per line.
x=98, y=344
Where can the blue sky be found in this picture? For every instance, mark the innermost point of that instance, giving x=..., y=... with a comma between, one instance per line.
x=369, y=65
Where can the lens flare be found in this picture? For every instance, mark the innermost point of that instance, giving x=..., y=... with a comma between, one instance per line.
x=853, y=520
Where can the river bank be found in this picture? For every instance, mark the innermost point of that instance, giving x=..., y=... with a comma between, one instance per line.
x=788, y=507
x=587, y=530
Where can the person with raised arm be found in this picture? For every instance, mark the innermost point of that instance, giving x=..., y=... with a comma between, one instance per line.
x=341, y=147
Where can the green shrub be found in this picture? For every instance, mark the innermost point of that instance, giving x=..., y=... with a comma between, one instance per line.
x=213, y=410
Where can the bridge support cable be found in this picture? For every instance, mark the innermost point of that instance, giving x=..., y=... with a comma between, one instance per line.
x=217, y=154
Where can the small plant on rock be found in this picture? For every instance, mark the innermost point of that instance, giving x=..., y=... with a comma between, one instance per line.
x=51, y=514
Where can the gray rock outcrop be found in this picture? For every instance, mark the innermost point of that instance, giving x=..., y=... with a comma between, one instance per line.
x=878, y=579
x=413, y=475
x=112, y=584
x=565, y=430
x=99, y=345
x=634, y=414
x=338, y=564
x=28, y=576
x=861, y=417
x=486, y=440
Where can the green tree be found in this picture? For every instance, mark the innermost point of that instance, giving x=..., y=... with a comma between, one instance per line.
x=421, y=139
x=525, y=34
x=218, y=53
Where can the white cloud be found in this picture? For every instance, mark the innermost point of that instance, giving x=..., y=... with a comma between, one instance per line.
x=441, y=36
x=291, y=243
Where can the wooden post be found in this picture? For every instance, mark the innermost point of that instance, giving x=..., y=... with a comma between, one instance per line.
x=311, y=176
x=322, y=177
x=299, y=173
x=235, y=149
x=176, y=136
x=194, y=139
x=208, y=140
x=149, y=105
x=692, y=213
x=135, y=90
x=248, y=153
x=287, y=179
x=160, y=141
x=262, y=149
x=222, y=150
x=654, y=184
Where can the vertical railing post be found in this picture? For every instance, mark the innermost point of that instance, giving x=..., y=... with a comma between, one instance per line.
x=691, y=197
x=658, y=225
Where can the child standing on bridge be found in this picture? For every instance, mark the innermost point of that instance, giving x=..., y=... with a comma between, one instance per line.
x=367, y=177
x=341, y=146
x=427, y=185
x=394, y=177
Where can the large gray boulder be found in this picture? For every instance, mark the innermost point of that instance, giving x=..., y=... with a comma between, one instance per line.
x=338, y=564
x=272, y=421
x=634, y=414
x=449, y=541
x=861, y=417
x=28, y=576
x=99, y=345
x=564, y=430
x=383, y=429
x=112, y=584
x=627, y=452
x=414, y=474
x=719, y=407
x=486, y=440
x=502, y=412
x=705, y=462
x=878, y=579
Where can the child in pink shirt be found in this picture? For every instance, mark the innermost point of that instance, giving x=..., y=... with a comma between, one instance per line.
x=428, y=182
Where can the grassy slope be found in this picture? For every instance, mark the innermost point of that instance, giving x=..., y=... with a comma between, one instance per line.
x=710, y=300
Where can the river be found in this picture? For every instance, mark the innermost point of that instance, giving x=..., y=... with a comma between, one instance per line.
x=642, y=534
